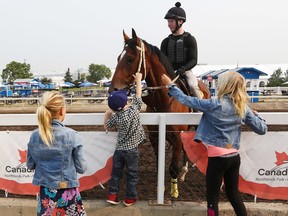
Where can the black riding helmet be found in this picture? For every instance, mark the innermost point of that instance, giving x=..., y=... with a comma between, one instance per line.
x=176, y=13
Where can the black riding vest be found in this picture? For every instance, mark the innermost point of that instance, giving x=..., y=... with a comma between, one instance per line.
x=176, y=50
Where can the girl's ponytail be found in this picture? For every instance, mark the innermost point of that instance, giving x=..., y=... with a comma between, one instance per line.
x=50, y=105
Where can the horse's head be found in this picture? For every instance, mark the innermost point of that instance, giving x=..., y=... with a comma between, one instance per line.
x=131, y=60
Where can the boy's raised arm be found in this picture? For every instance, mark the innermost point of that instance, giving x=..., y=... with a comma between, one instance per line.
x=138, y=77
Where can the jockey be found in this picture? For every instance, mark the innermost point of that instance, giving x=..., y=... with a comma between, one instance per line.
x=181, y=48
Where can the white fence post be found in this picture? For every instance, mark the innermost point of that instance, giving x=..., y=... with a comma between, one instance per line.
x=161, y=159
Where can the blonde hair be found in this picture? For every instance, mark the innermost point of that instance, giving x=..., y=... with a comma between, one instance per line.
x=50, y=105
x=233, y=84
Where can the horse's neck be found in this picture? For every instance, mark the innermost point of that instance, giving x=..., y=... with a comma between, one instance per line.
x=158, y=99
x=155, y=73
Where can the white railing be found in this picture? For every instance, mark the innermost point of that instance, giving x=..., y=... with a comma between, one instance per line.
x=75, y=101
x=161, y=119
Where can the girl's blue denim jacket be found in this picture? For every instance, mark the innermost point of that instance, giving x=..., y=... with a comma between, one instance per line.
x=57, y=166
x=220, y=125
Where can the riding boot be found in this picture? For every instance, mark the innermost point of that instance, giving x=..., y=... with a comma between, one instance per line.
x=195, y=91
x=193, y=84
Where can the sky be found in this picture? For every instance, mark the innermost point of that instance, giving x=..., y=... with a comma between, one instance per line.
x=54, y=35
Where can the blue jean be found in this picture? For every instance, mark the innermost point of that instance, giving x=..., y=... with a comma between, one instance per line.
x=122, y=158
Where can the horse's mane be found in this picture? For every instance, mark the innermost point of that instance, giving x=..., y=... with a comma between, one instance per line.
x=162, y=58
x=155, y=51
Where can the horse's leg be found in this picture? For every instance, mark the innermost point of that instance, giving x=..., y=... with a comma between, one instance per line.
x=174, y=165
x=184, y=169
x=153, y=137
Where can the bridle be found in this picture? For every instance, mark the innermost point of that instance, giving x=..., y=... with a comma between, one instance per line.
x=142, y=59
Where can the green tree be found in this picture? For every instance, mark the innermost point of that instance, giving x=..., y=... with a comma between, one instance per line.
x=98, y=72
x=286, y=76
x=68, y=76
x=276, y=79
x=82, y=77
x=16, y=70
x=46, y=80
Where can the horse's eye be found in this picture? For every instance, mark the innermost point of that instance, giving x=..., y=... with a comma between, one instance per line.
x=130, y=59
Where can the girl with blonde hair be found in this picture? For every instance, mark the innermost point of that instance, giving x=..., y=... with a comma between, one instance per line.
x=219, y=130
x=56, y=154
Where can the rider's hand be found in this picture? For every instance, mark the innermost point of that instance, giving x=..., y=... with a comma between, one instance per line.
x=181, y=71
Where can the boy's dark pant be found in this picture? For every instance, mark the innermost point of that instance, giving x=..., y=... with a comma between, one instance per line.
x=122, y=158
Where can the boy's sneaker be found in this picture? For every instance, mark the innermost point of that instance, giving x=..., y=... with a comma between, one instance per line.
x=112, y=198
x=129, y=202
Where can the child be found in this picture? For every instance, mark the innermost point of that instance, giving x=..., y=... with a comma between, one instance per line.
x=130, y=134
x=55, y=152
x=219, y=129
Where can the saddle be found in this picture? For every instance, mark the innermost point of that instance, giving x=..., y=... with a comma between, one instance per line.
x=184, y=86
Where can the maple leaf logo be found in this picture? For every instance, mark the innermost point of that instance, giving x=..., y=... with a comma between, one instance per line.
x=23, y=155
x=282, y=158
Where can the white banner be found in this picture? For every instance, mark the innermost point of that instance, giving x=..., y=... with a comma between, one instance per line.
x=264, y=159
x=16, y=178
x=263, y=171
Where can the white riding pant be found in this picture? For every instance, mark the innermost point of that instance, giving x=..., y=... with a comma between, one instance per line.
x=193, y=83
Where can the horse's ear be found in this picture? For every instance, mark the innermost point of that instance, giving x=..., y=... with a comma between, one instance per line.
x=135, y=37
x=126, y=38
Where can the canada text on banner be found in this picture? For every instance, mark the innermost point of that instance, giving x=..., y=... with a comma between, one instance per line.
x=264, y=162
x=98, y=148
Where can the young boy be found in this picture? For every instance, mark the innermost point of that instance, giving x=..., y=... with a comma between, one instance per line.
x=130, y=134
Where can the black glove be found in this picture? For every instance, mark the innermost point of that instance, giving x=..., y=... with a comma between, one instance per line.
x=181, y=71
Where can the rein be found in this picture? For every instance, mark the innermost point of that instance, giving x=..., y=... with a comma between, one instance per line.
x=142, y=58
x=143, y=61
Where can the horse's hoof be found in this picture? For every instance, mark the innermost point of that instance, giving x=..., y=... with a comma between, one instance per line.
x=175, y=194
x=183, y=173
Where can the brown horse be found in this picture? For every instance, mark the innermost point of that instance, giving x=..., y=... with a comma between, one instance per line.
x=140, y=56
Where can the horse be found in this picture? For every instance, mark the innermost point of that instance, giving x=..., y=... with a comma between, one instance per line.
x=140, y=56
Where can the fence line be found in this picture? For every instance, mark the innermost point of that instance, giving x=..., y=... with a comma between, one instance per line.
x=97, y=100
x=161, y=119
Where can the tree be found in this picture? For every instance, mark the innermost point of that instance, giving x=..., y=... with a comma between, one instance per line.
x=276, y=79
x=16, y=70
x=46, y=80
x=286, y=76
x=98, y=72
x=68, y=76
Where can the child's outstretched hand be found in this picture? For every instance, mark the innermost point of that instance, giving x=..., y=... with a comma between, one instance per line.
x=165, y=79
x=138, y=76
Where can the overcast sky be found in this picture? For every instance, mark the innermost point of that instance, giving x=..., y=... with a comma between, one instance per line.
x=53, y=35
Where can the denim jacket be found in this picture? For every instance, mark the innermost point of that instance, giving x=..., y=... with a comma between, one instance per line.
x=56, y=166
x=220, y=125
